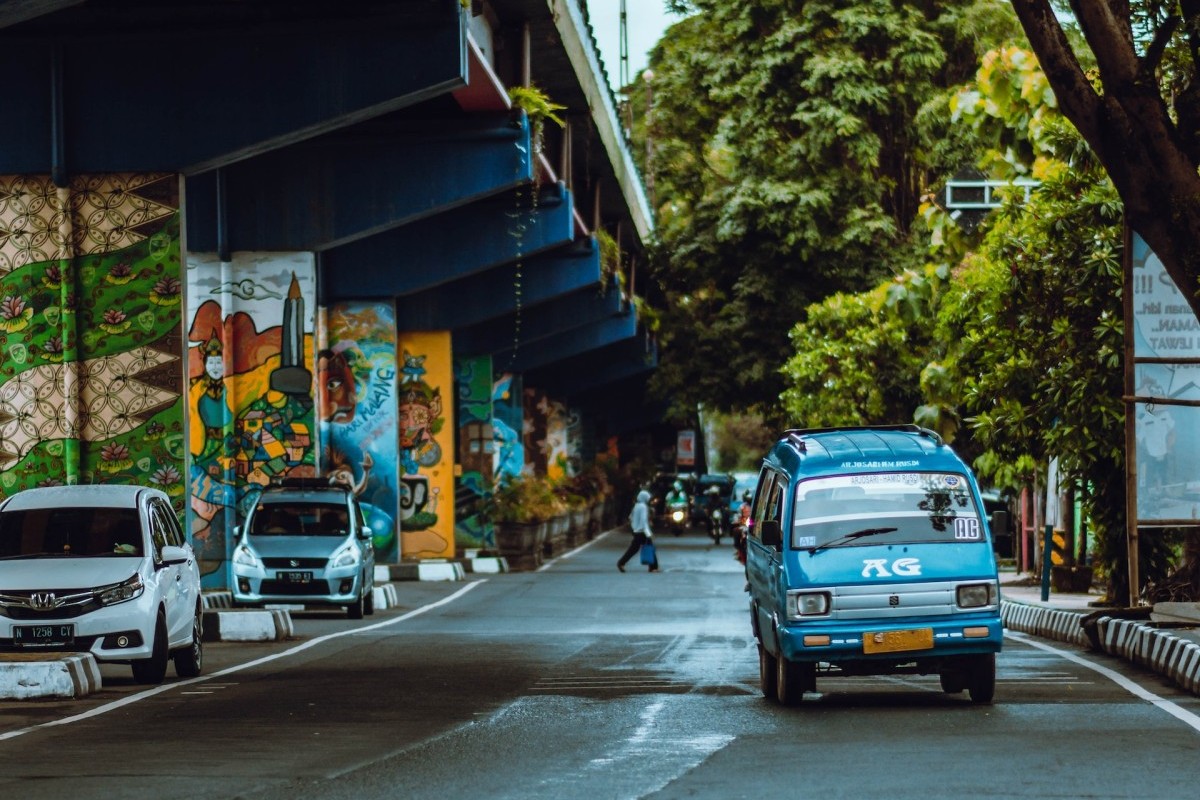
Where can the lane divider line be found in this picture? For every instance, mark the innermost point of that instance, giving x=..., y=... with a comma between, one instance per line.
x=167, y=687
x=1162, y=703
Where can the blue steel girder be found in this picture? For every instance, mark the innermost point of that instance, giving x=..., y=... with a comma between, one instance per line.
x=111, y=89
x=459, y=243
x=569, y=344
x=492, y=294
x=535, y=323
x=620, y=407
x=358, y=182
x=587, y=374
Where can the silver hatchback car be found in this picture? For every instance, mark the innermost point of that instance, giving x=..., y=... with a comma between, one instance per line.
x=305, y=542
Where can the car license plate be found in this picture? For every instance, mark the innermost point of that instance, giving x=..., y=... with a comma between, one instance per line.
x=898, y=641
x=43, y=635
x=295, y=577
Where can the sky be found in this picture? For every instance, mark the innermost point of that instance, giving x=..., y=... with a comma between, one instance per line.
x=646, y=19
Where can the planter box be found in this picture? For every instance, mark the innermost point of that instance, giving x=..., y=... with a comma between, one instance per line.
x=596, y=520
x=521, y=543
x=578, y=532
x=556, y=538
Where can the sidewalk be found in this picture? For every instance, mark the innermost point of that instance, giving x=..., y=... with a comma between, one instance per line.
x=1024, y=587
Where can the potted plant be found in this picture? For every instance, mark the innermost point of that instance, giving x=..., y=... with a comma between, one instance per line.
x=521, y=508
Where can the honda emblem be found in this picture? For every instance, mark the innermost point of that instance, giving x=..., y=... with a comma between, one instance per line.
x=43, y=601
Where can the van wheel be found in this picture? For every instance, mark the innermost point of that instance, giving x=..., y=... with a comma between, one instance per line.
x=793, y=679
x=766, y=672
x=953, y=681
x=154, y=668
x=981, y=680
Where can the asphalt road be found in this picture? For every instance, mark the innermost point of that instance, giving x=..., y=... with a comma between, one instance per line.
x=579, y=681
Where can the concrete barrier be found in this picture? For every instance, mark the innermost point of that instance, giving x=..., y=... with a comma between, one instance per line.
x=248, y=625
x=30, y=675
x=427, y=571
x=216, y=599
x=486, y=564
x=384, y=596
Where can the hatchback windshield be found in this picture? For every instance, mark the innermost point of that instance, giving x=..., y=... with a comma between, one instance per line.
x=300, y=519
x=884, y=508
x=70, y=532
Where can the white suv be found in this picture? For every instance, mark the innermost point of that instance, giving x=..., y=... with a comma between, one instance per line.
x=100, y=569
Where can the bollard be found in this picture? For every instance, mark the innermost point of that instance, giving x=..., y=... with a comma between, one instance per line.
x=1047, y=552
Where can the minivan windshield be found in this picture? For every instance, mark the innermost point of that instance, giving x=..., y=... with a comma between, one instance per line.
x=63, y=532
x=895, y=507
x=300, y=519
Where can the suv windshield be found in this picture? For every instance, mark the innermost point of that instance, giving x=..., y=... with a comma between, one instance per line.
x=300, y=519
x=896, y=507
x=70, y=532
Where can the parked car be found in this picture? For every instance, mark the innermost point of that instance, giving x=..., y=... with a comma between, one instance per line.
x=104, y=570
x=305, y=541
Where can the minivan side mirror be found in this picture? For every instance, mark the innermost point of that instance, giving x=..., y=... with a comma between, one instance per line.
x=772, y=534
x=999, y=524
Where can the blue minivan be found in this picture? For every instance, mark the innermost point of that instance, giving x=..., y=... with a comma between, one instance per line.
x=869, y=554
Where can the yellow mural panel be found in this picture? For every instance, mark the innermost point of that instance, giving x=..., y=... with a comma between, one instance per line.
x=425, y=418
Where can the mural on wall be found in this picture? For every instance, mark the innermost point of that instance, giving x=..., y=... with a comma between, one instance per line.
x=91, y=381
x=508, y=459
x=545, y=436
x=356, y=397
x=250, y=388
x=425, y=422
x=476, y=443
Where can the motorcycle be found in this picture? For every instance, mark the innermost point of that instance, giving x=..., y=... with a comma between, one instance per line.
x=677, y=515
x=717, y=523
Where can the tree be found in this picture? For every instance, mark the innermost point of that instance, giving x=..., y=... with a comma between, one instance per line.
x=791, y=144
x=1139, y=111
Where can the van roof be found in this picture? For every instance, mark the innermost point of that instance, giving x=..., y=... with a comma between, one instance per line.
x=883, y=447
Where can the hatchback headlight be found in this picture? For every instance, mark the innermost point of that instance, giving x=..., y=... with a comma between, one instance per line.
x=120, y=592
x=976, y=595
x=348, y=556
x=807, y=604
x=244, y=556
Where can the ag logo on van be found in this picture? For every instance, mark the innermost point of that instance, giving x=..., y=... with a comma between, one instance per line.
x=878, y=567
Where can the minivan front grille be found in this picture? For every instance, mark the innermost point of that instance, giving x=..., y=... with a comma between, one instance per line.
x=872, y=601
x=44, y=605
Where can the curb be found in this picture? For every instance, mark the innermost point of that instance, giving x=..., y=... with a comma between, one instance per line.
x=492, y=565
x=1163, y=651
x=24, y=676
x=216, y=599
x=426, y=571
x=385, y=596
x=248, y=625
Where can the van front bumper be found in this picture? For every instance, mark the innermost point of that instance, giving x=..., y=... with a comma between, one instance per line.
x=891, y=641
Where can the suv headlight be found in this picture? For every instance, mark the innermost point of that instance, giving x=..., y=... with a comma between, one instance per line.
x=976, y=595
x=120, y=592
x=347, y=556
x=807, y=604
x=244, y=556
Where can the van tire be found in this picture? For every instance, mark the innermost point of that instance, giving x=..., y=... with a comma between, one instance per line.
x=791, y=680
x=766, y=672
x=981, y=679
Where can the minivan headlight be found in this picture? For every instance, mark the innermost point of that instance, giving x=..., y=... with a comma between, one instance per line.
x=976, y=595
x=348, y=556
x=120, y=592
x=244, y=556
x=807, y=604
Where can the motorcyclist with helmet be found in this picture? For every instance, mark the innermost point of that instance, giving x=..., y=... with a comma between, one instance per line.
x=677, y=509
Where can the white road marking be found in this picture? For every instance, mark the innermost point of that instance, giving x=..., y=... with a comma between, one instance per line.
x=167, y=687
x=1163, y=704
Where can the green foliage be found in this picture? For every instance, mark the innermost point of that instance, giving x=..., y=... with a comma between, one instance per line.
x=788, y=153
x=524, y=498
x=538, y=107
x=741, y=441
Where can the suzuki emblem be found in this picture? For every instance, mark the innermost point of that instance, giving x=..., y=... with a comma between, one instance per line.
x=293, y=563
x=894, y=600
x=43, y=601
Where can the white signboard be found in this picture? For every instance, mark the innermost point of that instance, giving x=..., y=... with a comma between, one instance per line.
x=1168, y=436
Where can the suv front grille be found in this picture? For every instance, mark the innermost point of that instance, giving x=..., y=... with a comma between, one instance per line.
x=295, y=563
x=316, y=587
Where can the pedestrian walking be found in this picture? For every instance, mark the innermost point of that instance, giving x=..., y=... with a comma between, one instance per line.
x=639, y=522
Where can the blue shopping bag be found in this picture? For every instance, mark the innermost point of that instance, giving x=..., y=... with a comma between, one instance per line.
x=648, y=555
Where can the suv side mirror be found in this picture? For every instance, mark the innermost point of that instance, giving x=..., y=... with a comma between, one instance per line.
x=772, y=534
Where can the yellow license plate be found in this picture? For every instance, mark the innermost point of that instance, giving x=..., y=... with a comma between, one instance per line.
x=898, y=641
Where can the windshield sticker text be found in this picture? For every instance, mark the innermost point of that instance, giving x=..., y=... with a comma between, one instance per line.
x=966, y=528
x=879, y=464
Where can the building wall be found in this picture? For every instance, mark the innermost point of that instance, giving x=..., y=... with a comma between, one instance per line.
x=425, y=420
x=90, y=332
x=357, y=378
x=251, y=388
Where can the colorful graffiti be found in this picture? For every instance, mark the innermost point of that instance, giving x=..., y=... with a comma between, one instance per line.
x=545, y=435
x=251, y=388
x=356, y=397
x=508, y=458
x=91, y=378
x=425, y=434
x=476, y=442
